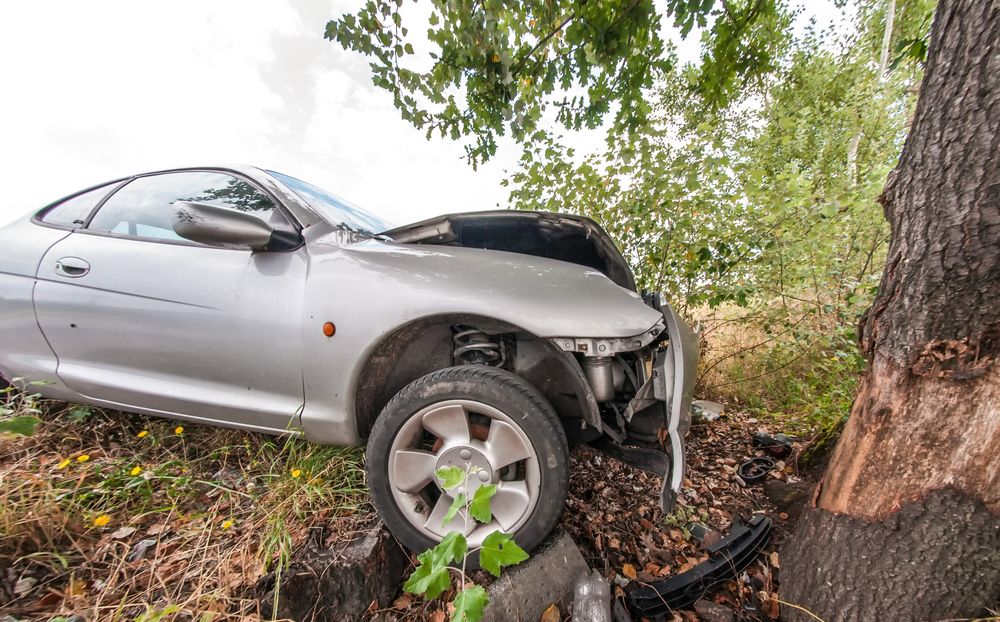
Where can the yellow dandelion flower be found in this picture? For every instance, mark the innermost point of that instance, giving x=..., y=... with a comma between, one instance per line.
x=226, y=524
x=135, y=471
x=143, y=434
x=179, y=430
x=82, y=458
x=296, y=472
x=102, y=520
x=65, y=463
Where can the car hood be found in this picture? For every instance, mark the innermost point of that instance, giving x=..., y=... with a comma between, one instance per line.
x=563, y=237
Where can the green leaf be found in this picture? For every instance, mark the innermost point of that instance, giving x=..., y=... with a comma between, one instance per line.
x=499, y=550
x=480, y=506
x=470, y=604
x=456, y=505
x=451, y=548
x=450, y=477
x=23, y=426
x=427, y=579
x=79, y=414
x=430, y=577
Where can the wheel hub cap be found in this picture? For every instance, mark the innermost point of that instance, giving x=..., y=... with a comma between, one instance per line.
x=470, y=460
x=482, y=441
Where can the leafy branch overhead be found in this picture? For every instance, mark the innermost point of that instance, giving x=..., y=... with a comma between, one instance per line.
x=497, y=67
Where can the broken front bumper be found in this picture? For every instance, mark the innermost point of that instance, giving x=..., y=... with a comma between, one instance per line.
x=662, y=402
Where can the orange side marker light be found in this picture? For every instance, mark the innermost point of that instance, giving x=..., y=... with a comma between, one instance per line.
x=329, y=329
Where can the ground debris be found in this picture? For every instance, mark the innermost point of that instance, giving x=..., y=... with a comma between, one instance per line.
x=613, y=515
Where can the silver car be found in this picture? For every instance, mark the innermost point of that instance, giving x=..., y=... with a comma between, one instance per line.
x=241, y=297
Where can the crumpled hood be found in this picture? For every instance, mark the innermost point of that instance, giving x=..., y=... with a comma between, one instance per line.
x=563, y=237
x=404, y=282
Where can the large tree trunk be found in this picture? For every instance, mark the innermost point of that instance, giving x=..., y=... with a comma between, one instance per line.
x=906, y=522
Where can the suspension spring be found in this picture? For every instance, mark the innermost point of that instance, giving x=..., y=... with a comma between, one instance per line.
x=474, y=347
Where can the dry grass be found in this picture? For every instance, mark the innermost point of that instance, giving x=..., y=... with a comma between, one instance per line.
x=215, y=510
x=801, y=371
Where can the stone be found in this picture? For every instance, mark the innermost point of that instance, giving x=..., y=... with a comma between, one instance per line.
x=788, y=498
x=523, y=592
x=339, y=583
x=713, y=612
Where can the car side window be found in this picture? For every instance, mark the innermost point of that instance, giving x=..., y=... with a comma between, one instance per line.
x=144, y=208
x=73, y=212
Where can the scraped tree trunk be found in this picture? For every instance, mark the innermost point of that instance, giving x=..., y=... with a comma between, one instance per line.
x=906, y=522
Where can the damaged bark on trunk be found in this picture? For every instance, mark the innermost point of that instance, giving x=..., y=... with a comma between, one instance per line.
x=906, y=522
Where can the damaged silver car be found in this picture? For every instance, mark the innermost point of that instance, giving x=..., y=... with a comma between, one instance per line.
x=241, y=297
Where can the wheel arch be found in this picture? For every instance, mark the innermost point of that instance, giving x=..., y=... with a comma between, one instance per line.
x=425, y=345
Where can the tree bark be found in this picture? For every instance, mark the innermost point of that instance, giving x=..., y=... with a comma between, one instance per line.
x=906, y=522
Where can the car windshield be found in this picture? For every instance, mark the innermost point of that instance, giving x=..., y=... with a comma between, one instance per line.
x=333, y=208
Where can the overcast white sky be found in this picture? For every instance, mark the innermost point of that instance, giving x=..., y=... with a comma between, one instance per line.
x=102, y=89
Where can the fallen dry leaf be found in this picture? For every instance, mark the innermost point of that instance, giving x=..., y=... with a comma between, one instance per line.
x=157, y=529
x=551, y=614
x=629, y=571
x=769, y=604
x=122, y=532
x=774, y=559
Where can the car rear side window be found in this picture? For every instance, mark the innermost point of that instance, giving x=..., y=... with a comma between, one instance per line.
x=73, y=212
x=144, y=208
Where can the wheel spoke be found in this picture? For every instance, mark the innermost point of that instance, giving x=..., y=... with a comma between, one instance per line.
x=505, y=446
x=448, y=423
x=458, y=523
x=413, y=469
x=510, y=503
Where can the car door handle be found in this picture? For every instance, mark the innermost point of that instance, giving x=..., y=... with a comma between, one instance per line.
x=72, y=267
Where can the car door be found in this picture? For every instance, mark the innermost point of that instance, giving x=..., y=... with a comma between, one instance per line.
x=142, y=319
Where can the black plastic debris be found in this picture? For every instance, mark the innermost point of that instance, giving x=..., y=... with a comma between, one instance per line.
x=777, y=445
x=727, y=559
x=754, y=470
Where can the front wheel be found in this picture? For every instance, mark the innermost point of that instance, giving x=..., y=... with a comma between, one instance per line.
x=485, y=420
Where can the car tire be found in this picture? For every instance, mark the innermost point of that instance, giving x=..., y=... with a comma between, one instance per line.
x=505, y=398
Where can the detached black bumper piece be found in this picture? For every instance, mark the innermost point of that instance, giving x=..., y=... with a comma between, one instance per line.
x=727, y=559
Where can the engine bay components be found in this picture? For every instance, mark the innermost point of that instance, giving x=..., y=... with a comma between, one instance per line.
x=600, y=375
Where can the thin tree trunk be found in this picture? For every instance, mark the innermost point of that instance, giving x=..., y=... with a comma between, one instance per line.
x=883, y=60
x=906, y=522
x=883, y=66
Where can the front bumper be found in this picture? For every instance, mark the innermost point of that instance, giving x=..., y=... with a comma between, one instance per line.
x=675, y=371
x=663, y=402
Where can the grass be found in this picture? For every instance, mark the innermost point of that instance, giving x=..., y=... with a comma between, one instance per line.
x=800, y=374
x=112, y=516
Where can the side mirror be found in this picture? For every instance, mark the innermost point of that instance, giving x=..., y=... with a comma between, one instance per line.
x=227, y=228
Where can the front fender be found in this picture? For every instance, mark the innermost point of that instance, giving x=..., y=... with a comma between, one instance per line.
x=370, y=288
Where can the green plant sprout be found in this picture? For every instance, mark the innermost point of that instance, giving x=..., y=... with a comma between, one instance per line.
x=433, y=574
x=19, y=409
